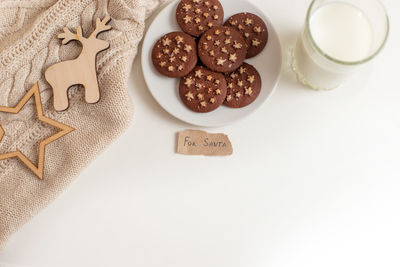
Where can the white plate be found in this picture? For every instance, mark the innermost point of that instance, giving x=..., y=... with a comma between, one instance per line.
x=165, y=90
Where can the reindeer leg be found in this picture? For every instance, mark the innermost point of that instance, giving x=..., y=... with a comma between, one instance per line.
x=60, y=99
x=92, y=92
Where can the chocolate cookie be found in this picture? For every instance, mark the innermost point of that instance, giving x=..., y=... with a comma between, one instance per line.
x=175, y=54
x=197, y=16
x=222, y=49
x=244, y=86
x=203, y=90
x=253, y=29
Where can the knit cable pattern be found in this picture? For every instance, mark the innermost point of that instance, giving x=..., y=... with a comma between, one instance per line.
x=28, y=46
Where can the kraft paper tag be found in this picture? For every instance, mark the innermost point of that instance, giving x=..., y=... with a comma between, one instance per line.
x=195, y=142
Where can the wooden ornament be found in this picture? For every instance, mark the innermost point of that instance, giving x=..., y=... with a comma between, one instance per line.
x=65, y=129
x=82, y=70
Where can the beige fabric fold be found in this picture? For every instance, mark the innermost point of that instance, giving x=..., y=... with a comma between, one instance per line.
x=28, y=46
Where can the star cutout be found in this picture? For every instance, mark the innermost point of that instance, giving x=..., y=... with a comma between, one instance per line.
x=166, y=42
x=198, y=73
x=186, y=7
x=233, y=57
x=255, y=42
x=187, y=19
x=179, y=39
x=189, y=96
x=220, y=61
x=237, y=45
x=188, y=82
x=65, y=129
x=251, y=79
x=188, y=48
x=248, y=21
x=248, y=91
x=257, y=29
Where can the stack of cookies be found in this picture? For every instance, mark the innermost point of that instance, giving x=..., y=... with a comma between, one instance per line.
x=209, y=56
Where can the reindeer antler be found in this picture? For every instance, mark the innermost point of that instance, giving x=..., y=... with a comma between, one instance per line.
x=101, y=26
x=68, y=36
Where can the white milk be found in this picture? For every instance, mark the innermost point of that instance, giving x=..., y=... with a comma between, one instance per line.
x=342, y=32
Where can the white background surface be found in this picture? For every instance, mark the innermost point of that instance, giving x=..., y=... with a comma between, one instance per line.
x=314, y=182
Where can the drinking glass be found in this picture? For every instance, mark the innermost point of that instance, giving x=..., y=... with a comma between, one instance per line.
x=338, y=37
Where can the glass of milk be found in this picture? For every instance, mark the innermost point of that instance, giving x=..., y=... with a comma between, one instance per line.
x=339, y=36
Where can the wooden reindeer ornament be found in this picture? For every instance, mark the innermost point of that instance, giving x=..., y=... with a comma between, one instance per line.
x=82, y=70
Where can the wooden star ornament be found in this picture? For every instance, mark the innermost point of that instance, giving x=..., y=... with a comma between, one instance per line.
x=64, y=129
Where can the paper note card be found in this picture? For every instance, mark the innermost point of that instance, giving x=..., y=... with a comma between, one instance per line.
x=195, y=142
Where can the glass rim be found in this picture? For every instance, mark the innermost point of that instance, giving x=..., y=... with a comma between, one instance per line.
x=342, y=62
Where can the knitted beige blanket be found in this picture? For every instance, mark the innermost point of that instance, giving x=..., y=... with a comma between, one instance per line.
x=28, y=46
